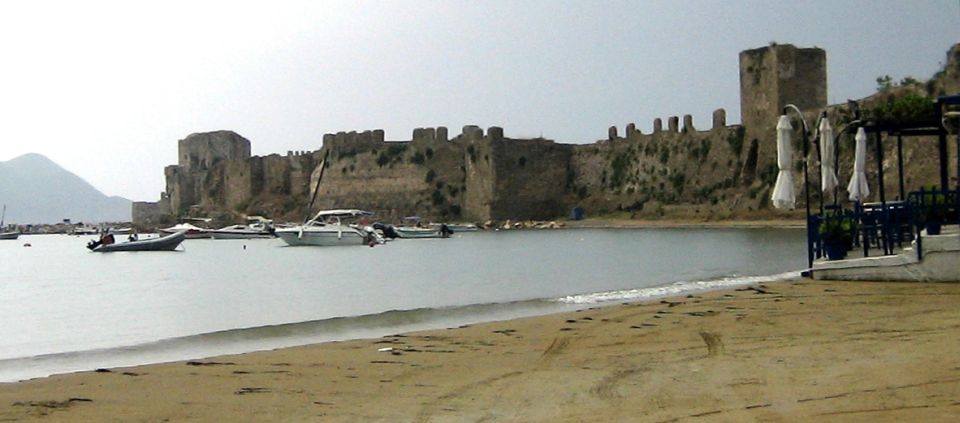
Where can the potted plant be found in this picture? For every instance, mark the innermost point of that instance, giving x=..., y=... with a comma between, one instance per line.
x=932, y=210
x=836, y=233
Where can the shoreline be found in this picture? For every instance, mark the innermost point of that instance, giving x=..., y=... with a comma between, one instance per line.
x=161, y=351
x=784, y=350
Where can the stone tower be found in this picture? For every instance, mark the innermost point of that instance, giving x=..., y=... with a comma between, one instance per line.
x=198, y=155
x=201, y=151
x=770, y=78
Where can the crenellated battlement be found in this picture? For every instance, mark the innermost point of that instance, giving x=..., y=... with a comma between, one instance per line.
x=632, y=133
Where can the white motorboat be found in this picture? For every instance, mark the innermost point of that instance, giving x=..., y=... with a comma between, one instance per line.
x=256, y=227
x=192, y=232
x=84, y=230
x=329, y=228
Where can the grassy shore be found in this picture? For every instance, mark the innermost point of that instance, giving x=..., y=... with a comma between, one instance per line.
x=778, y=352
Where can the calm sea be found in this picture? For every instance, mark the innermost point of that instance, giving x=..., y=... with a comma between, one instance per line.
x=66, y=309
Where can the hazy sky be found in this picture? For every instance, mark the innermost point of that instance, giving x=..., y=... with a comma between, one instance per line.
x=106, y=89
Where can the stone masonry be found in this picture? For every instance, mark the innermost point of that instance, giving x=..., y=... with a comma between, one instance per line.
x=481, y=175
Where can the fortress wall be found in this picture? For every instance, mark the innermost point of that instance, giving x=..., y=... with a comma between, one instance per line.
x=482, y=175
x=479, y=176
x=950, y=80
x=275, y=174
x=237, y=184
x=151, y=214
x=392, y=190
x=174, y=188
x=532, y=178
x=353, y=142
x=694, y=167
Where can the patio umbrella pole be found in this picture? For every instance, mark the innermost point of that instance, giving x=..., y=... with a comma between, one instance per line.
x=883, y=198
x=816, y=144
x=903, y=196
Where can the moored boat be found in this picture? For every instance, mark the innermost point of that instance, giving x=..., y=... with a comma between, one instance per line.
x=329, y=228
x=84, y=230
x=441, y=231
x=463, y=227
x=9, y=234
x=417, y=230
x=191, y=231
x=106, y=244
x=121, y=231
x=256, y=227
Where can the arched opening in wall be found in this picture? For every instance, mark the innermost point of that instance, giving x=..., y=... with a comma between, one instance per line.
x=750, y=164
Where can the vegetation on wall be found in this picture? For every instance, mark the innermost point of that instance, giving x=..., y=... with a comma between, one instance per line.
x=735, y=141
x=904, y=109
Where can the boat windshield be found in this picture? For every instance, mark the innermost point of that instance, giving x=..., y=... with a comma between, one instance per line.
x=328, y=215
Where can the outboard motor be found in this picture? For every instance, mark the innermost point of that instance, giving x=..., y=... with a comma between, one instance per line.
x=387, y=230
x=445, y=231
x=371, y=237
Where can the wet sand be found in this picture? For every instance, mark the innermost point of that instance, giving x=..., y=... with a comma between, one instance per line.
x=802, y=351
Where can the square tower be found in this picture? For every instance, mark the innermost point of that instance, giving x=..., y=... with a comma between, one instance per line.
x=772, y=77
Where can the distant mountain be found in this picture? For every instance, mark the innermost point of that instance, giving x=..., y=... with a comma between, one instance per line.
x=37, y=190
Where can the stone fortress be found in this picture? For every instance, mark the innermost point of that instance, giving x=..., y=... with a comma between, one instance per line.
x=479, y=175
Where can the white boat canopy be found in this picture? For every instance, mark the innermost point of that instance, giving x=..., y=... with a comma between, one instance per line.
x=322, y=214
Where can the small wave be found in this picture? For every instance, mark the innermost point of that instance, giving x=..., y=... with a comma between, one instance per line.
x=676, y=288
x=243, y=340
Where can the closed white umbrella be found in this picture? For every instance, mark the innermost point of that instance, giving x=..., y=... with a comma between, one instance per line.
x=783, y=197
x=858, y=188
x=829, y=174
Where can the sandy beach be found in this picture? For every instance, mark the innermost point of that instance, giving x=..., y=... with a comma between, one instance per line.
x=776, y=352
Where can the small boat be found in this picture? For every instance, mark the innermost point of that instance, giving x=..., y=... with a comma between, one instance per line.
x=407, y=232
x=9, y=234
x=192, y=232
x=417, y=230
x=463, y=227
x=165, y=243
x=328, y=228
x=256, y=227
x=84, y=230
x=121, y=231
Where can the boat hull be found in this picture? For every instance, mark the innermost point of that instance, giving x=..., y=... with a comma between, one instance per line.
x=165, y=243
x=239, y=235
x=408, y=232
x=462, y=227
x=9, y=235
x=321, y=238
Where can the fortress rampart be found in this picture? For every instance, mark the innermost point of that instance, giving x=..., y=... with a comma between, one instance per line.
x=482, y=174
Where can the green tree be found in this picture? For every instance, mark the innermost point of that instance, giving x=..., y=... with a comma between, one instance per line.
x=884, y=83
